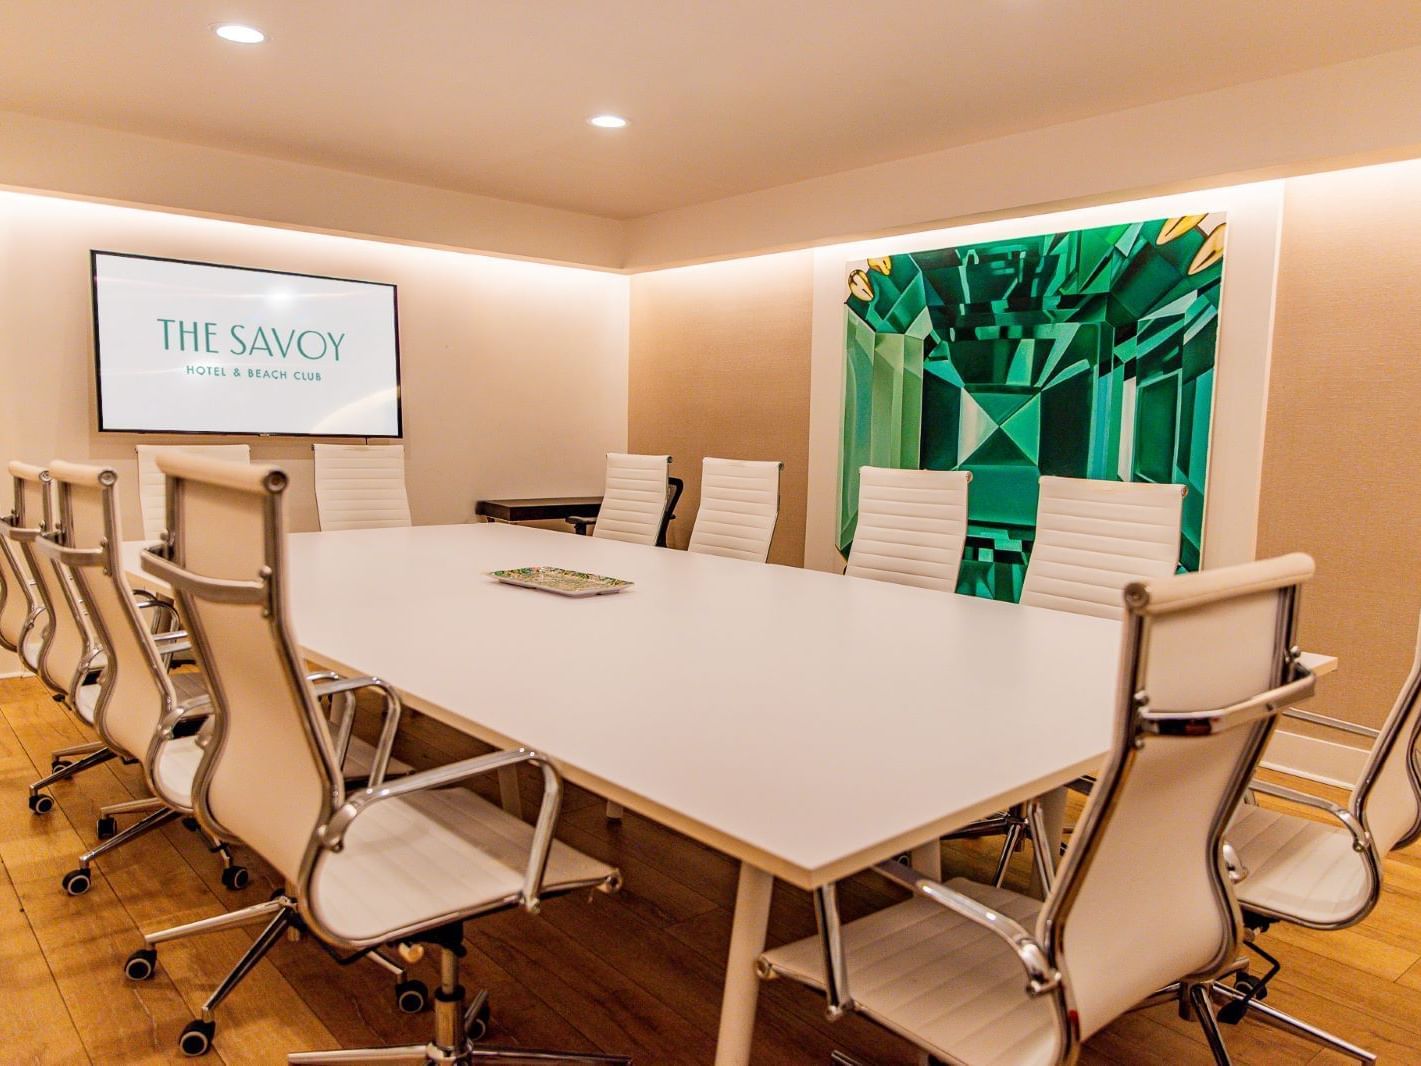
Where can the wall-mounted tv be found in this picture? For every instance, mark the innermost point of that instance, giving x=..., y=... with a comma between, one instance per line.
x=184, y=347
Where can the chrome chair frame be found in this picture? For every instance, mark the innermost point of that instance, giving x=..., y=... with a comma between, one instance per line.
x=1043, y=961
x=458, y=1022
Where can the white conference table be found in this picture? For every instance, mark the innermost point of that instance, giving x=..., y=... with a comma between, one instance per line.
x=804, y=723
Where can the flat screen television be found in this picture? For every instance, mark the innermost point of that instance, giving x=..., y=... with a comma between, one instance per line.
x=185, y=347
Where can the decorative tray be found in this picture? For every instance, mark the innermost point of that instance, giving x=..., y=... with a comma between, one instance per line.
x=563, y=582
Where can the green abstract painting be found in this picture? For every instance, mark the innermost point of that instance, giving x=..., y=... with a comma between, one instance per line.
x=1085, y=354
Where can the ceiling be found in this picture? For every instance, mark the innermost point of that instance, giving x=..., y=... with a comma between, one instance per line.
x=724, y=97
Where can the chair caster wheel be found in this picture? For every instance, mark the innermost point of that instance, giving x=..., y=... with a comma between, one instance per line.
x=76, y=882
x=411, y=996
x=196, y=1038
x=476, y=1025
x=190, y=824
x=41, y=803
x=106, y=827
x=141, y=965
x=56, y=765
x=1250, y=985
x=236, y=878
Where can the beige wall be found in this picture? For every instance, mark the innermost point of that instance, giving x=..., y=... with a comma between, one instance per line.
x=1342, y=448
x=514, y=375
x=719, y=366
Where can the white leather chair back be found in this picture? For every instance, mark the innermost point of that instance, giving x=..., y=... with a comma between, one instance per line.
x=1142, y=898
x=361, y=486
x=135, y=691
x=740, y=503
x=912, y=527
x=19, y=599
x=269, y=769
x=1388, y=794
x=151, y=500
x=67, y=643
x=1094, y=537
x=634, y=501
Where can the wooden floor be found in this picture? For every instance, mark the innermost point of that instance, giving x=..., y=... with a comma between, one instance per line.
x=639, y=973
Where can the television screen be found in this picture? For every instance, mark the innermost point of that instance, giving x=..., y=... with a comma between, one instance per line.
x=199, y=348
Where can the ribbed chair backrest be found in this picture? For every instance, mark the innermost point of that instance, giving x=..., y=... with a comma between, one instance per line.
x=912, y=527
x=361, y=486
x=68, y=645
x=20, y=601
x=1094, y=537
x=1387, y=798
x=740, y=503
x=135, y=691
x=269, y=771
x=1142, y=898
x=151, y=494
x=634, y=500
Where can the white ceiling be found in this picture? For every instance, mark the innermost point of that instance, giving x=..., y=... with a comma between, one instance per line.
x=725, y=96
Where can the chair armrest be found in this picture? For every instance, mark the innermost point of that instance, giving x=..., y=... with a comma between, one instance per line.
x=328, y=683
x=581, y=524
x=1041, y=976
x=195, y=709
x=332, y=835
x=1361, y=839
x=1332, y=723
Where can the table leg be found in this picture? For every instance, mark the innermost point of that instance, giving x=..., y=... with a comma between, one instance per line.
x=926, y=859
x=508, y=793
x=1053, y=810
x=742, y=986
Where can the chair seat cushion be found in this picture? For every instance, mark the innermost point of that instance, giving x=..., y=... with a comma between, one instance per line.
x=86, y=700
x=1298, y=868
x=429, y=858
x=953, y=988
x=34, y=641
x=175, y=768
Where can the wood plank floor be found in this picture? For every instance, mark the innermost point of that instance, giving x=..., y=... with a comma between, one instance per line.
x=639, y=973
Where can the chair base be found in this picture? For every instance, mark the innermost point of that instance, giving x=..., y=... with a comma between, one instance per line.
x=1224, y=994
x=455, y=1021
x=282, y=917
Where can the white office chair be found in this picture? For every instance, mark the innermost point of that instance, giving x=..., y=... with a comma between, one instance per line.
x=1142, y=910
x=740, y=503
x=361, y=486
x=402, y=861
x=912, y=527
x=140, y=710
x=637, y=500
x=68, y=658
x=22, y=613
x=1093, y=537
x=151, y=498
x=1328, y=875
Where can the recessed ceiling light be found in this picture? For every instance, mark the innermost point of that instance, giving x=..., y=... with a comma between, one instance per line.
x=239, y=34
x=607, y=122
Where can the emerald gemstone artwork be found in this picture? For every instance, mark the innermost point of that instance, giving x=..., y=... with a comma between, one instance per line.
x=1088, y=353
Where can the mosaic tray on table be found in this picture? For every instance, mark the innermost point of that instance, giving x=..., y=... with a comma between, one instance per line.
x=563, y=582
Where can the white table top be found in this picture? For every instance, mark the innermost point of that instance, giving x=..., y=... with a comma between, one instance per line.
x=808, y=723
